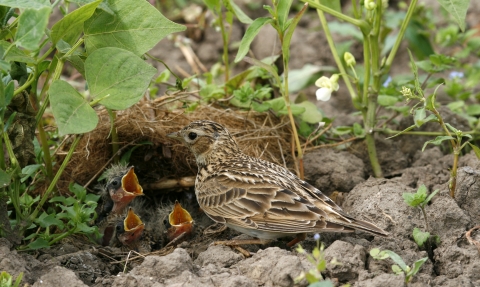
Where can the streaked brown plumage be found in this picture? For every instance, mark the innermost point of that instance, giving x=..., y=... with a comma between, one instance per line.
x=257, y=197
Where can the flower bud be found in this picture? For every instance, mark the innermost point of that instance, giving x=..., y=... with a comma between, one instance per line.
x=349, y=59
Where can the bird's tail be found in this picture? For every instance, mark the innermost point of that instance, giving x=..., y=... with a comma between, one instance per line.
x=359, y=225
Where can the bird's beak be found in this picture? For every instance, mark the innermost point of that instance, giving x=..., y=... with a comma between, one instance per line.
x=133, y=227
x=175, y=135
x=181, y=224
x=130, y=183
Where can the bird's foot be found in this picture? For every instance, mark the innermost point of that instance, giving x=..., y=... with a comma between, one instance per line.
x=214, y=229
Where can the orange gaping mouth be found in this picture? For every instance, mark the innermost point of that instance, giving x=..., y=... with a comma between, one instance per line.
x=133, y=227
x=179, y=215
x=130, y=183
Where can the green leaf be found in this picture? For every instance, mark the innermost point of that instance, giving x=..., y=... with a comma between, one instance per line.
x=437, y=141
x=15, y=54
x=46, y=220
x=31, y=27
x=311, y=114
x=135, y=25
x=289, y=32
x=358, y=130
x=117, y=77
x=5, y=178
x=79, y=191
x=417, y=265
x=38, y=244
x=250, y=34
x=415, y=199
x=420, y=237
x=473, y=110
x=333, y=4
x=476, y=150
x=418, y=116
x=242, y=17
x=72, y=112
x=397, y=259
x=283, y=8
x=396, y=269
x=386, y=101
x=72, y=24
x=29, y=171
x=324, y=283
x=458, y=9
x=427, y=200
x=24, y=4
x=300, y=78
x=452, y=128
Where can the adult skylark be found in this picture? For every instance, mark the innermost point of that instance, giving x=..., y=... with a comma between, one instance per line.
x=256, y=197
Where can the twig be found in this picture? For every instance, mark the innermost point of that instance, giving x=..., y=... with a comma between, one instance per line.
x=317, y=135
x=187, y=181
x=470, y=240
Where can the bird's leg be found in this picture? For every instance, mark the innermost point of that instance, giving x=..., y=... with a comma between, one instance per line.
x=298, y=238
x=214, y=229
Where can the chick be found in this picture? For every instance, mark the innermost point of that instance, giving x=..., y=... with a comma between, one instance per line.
x=121, y=188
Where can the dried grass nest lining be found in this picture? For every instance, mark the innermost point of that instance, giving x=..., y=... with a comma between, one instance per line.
x=258, y=134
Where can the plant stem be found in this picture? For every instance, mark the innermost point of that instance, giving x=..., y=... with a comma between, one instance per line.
x=425, y=217
x=46, y=151
x=286, y=98
x=113, y=132
x=420, y=133
x=371, y=43
x=336, y=57
x=401, y=33
x=362, y=24
x=52, y=185
x=225, y=37
x=452, y=184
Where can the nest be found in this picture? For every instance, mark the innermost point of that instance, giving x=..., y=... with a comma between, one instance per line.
x=261, y=135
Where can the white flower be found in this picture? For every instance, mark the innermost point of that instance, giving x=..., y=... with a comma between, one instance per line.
x=327, y=86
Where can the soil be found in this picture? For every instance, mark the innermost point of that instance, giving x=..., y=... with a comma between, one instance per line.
x=341, y=174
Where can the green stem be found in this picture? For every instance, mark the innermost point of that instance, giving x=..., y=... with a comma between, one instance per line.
x=453, y=174
x=52, y=185
x=27, y=84
x=3, y=166
x=401, y=33
x=46, y=150
x=363, y=25
x=425, y=217
x=419, y=133
x=225, y=49
x=113, y=131
x=61, y=236
x=286, y=98
x=336, y=57
x=45, y=55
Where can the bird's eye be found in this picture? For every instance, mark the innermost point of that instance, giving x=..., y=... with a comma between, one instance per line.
x=192, y=136
x=115, y=182
x=119, y=228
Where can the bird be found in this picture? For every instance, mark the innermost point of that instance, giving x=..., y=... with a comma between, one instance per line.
x=256, y=197
x=180, y=225
x=121, y=188
x=129, y=233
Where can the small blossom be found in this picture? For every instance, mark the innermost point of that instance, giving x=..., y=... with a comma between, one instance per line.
x=455, y=74
x=406, y=92
x=316, y=236
x=349, y=59
x=387, y=81
x=327, y=86
x=370, y=4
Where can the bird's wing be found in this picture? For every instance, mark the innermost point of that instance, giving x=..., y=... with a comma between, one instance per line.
x=258, y=201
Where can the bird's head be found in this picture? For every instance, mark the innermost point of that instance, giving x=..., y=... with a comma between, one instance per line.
x=206, y=139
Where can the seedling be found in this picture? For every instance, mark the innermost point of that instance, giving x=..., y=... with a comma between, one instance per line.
x=6, y=279
x=419, y=199
x=317, y=258
x=400, y=267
